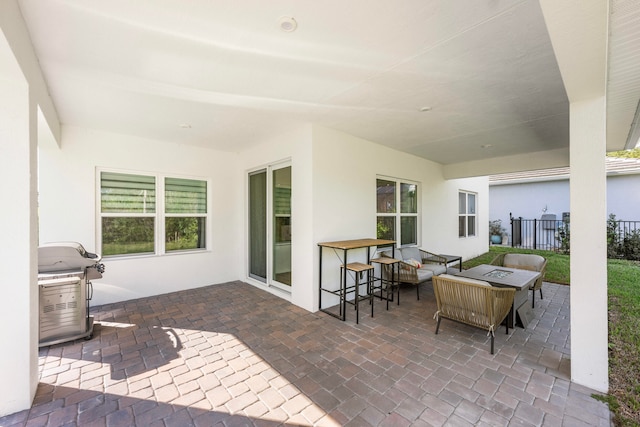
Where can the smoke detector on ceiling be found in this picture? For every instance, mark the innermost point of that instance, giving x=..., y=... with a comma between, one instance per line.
x=287, y=24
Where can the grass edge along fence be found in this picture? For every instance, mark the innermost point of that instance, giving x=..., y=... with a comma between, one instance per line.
x=623, y=285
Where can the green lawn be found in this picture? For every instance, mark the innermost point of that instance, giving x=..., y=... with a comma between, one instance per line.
x=624, y=326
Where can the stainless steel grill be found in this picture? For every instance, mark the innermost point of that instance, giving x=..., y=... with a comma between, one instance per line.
x=65, y=271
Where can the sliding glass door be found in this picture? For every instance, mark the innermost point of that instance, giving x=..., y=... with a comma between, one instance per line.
x=270, y=225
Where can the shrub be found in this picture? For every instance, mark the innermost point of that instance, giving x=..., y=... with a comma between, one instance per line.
x=631, y=246
x=563, y=236
x=614, y=246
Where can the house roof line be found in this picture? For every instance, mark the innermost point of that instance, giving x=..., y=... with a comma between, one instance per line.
x=614, y=166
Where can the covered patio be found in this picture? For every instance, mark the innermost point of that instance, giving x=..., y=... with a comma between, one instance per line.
x=443, y=97
x=231, y=354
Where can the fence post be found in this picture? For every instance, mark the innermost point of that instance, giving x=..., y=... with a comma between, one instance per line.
x=535, y=233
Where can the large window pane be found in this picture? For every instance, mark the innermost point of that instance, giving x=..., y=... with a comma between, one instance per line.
x=462, y=226
x=386, y=228
x=462, y=203
x=182, y=233
x=408, y=198
x=386, y=196
x=282, y=225
x=408, y=230
x=125, y=193
x=127, y=235
x=471, y=226
x=472, y=204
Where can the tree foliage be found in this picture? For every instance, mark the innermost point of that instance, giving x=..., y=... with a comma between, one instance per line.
x=627, y=154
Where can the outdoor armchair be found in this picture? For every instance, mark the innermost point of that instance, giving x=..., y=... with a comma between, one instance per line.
x=472, y=302
x=529, y=262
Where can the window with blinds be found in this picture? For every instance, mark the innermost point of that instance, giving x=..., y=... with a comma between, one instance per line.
x=185, y=214
x=132, y=217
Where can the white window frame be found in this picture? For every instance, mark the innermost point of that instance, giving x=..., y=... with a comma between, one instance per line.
x=159, y=215
x=398, y=215
x=468, y=214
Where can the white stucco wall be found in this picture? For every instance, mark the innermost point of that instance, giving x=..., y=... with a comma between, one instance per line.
x=24, y=93
x=334, y=198
x=293, y=146
x=344, y=188
x=67, y=204
x=18, y=256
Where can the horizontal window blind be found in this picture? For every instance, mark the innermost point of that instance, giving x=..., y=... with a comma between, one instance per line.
x=185, y=196
x=125, y=193
x=282, y=201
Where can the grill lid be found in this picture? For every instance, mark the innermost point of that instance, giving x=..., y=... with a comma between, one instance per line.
x=61, y=256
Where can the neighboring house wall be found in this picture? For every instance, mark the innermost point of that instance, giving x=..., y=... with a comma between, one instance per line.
x=623, y=196
x=529, y=199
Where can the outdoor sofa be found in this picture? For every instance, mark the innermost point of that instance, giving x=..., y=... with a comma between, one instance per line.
x=416, y=267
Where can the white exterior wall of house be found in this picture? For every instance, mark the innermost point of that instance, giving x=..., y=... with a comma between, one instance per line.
x=334, y=198
x=69, y=193
x=344, y=188
x=295, y=147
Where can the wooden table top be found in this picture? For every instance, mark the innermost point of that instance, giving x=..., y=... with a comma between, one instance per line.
x=356, y=244
x=514, y=278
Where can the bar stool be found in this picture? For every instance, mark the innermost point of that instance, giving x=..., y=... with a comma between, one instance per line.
x=388, y=269
x=359, y=269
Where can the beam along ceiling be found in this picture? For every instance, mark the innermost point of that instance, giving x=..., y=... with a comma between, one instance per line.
x=225, y=75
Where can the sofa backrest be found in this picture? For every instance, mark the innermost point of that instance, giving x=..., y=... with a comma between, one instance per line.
x=411, y=253
x=524, y=261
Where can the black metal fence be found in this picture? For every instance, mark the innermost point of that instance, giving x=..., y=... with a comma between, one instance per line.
x=623, y=237
x=537, y=233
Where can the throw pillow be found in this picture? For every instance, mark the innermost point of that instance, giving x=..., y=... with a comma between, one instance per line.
x=414, y=262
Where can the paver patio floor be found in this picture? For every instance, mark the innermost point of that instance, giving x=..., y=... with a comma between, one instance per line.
x=235, y=355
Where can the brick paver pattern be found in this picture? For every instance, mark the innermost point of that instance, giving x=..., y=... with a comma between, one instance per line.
x=235, y=355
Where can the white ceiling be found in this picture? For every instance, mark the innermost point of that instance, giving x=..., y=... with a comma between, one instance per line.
x=486, y=69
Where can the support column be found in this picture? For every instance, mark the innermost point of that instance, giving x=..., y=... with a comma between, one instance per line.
x=18, y=251
x=589, y=332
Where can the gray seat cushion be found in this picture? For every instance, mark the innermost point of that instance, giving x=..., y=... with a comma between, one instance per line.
x=436, y=269
x=424, y=275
